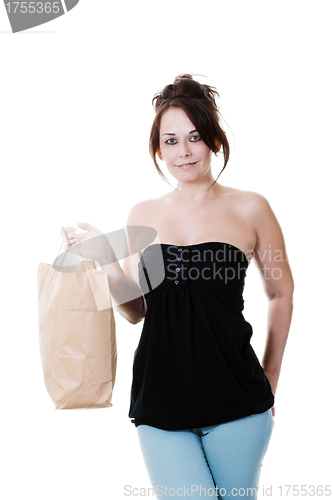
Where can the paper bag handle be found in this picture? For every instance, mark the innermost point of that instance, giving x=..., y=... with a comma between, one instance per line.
x=85, y=269
x=99, y=284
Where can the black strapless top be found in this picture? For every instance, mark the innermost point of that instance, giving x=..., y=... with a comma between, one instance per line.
x=194, y=365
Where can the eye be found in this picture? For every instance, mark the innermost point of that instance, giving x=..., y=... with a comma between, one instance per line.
x=168, y=141
x=196, y=138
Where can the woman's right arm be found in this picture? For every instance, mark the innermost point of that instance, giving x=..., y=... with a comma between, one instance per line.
x=124, y=285
x=123, y=289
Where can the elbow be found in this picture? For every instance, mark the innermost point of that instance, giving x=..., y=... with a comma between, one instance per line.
x=131, y=318
x=133, y=311
x=286, y=294
x=135, y=321
x=281, y=290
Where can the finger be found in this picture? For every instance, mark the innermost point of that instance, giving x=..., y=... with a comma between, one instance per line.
x=72, y=234
x=69, y=237
x=85, y=225
x=65, y=232
x=74, y=241
x=71, y=242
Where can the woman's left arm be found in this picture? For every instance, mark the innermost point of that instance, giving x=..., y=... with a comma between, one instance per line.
x=271, y=259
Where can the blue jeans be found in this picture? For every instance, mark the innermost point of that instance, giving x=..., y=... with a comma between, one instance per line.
x=218, y=462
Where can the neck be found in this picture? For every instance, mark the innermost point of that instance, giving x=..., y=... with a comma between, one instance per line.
x=196, y=191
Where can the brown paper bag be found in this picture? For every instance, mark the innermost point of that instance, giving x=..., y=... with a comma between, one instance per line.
x=77, y=335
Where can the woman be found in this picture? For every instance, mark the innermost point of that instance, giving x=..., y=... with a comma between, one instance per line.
x=200, y=400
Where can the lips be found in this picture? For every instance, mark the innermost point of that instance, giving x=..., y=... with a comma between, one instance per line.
x=187, y=165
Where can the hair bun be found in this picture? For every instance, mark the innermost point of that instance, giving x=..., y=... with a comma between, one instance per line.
x=186, y=87
x=182, y=76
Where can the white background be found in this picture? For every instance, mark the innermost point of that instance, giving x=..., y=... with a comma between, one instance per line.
x=75, y=121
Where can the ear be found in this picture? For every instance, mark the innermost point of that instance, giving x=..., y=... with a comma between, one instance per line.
x=158, y=151
x=218, y=144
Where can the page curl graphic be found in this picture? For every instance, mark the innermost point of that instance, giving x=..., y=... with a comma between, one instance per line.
x=23, y=15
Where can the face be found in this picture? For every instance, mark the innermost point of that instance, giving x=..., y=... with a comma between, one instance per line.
x=186, y=155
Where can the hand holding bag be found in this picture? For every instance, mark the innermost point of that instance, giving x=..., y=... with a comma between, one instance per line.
x=77, y=334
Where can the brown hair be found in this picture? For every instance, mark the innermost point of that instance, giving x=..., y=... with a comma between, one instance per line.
x=198, y=102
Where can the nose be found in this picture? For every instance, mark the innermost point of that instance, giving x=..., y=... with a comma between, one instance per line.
x=184, y=149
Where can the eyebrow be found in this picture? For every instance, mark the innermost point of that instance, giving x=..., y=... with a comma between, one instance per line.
x=175, y=134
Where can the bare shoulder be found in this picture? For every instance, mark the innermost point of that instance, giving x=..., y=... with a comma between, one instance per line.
x=258, y=207
x=249, y=203
x=139, y=213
